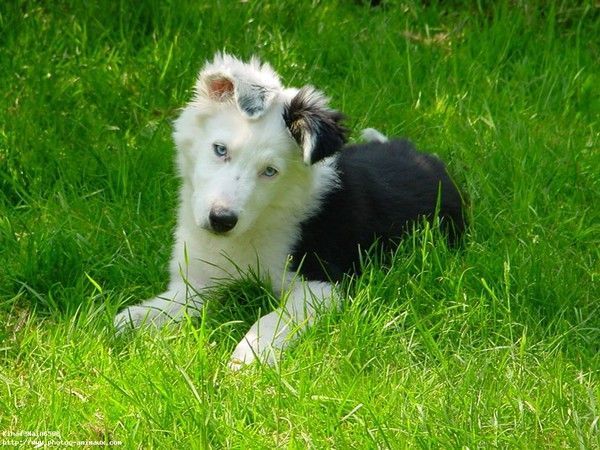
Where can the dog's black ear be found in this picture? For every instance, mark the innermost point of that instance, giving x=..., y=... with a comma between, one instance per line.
x=316, y=128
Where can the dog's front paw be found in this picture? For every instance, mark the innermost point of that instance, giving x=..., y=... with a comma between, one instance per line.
x=251, y=349
x=135, y=317
x=157, y=312
x=263, y=342
x=242, y=356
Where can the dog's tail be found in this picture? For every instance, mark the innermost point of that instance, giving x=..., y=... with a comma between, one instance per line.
x=372, y=135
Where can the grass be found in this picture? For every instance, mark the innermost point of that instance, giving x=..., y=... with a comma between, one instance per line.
x=494, y=345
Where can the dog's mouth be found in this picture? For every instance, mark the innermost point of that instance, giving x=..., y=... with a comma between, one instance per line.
x=216, y=232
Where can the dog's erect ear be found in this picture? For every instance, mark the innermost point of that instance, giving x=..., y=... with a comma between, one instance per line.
x=219, y=88
x=252, y=86
x=316, y=128
x=253, y=99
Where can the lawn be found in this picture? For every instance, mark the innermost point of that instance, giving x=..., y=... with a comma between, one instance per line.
x=494, y=344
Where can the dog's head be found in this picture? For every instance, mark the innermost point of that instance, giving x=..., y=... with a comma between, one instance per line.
x=247, y=147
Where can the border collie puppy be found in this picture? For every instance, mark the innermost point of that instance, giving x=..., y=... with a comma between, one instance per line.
x=267, y=185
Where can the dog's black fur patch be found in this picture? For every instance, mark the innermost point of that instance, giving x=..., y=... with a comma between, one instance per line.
x=384, y=189
x=314, y=126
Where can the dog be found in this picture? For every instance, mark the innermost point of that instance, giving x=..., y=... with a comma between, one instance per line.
x=269, y=185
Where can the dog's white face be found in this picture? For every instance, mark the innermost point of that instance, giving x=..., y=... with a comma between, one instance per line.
x=246, y=144
x=236, y=167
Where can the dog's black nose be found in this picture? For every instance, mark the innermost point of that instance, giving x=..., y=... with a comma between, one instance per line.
x=222, y=220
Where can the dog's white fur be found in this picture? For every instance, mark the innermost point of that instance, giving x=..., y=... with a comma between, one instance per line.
x=373, y=135
x=240, y=105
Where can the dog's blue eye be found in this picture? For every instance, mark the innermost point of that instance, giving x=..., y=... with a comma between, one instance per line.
x=270, y=172
x=220, y=150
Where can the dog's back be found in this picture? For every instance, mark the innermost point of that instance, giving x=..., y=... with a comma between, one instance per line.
x=385, y=187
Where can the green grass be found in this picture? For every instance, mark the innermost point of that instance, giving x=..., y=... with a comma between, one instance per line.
x=494, y=345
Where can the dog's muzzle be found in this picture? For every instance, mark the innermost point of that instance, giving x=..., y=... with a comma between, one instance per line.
x=222, y=220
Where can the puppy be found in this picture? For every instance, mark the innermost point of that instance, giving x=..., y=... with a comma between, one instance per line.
x=267, y=185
